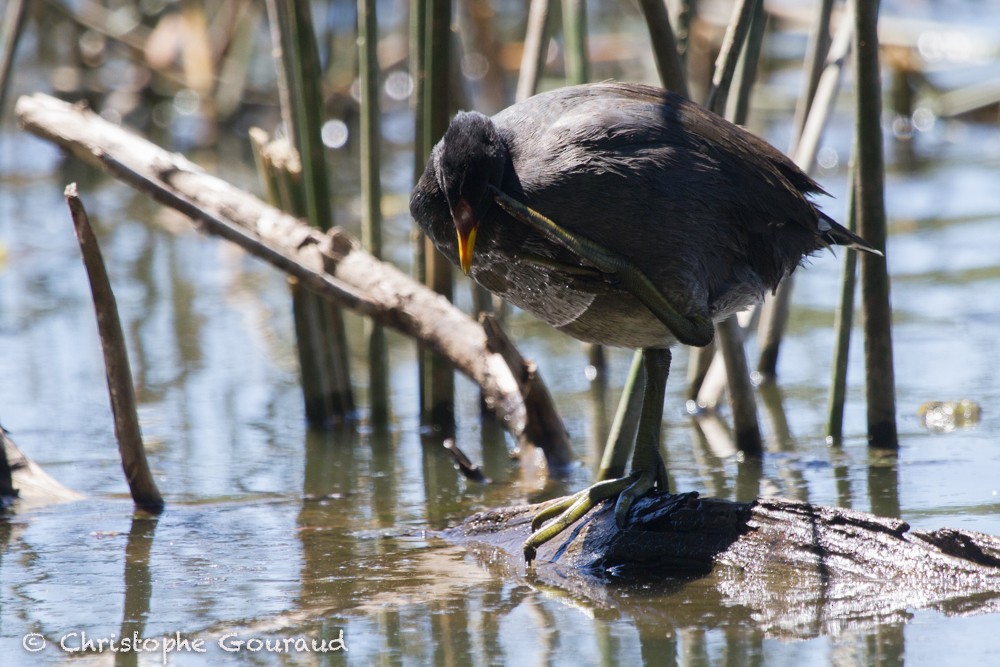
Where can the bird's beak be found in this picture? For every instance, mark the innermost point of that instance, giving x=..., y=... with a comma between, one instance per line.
x=466, y=225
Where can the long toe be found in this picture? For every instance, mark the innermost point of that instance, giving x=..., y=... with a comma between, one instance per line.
x=564, y=513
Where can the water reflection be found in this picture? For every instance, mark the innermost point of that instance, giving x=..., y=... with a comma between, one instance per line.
x=138, y=583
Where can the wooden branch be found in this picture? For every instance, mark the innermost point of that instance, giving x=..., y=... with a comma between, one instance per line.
x=331, y=264
x=773, y=560
x=542, y=425
x=116, y=365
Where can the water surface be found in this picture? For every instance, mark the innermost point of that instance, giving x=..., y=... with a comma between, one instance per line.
x=274, y=532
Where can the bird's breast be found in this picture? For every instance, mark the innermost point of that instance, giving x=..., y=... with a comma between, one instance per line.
x=582, y=307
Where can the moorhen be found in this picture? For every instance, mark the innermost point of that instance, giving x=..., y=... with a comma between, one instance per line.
x=624, y=215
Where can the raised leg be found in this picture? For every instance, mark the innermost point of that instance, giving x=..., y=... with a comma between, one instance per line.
x=648, y=470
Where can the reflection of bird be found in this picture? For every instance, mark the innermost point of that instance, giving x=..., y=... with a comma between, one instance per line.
x=623, y=215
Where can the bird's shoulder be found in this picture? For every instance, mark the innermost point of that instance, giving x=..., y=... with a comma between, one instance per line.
x=620, y=125
x=608, y=116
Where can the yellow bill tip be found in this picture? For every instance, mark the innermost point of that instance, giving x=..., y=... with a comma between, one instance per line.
x=466, y=242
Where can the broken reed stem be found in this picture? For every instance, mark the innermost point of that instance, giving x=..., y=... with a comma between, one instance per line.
x=13, y=25
x=119, y=375
x=322, y=367
x=323, y=350
x=543, y=427
x=738, y=108
x=843, y=321
x=729, y=336
x=661, y=35
x=814, y=65
x=418, y=36
x=700, y=359
x=876, y=314
x=686, y=10
x=575, y=41
x=371, y=197
x=535, y=49
x=298, y=62
x=368, y=68
x=417, y=52
x=725, y=64
x=774, y=312
x=437, y=381
x=574, y=15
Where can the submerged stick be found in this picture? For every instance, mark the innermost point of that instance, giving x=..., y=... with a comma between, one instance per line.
x=119, y=374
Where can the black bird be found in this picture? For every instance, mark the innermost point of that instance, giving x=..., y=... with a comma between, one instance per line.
x=624, y=215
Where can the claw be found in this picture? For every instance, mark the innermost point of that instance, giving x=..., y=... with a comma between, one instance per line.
x=636, y=490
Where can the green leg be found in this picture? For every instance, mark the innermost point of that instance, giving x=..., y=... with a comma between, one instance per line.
x=647, y=461
x=624, y=427
x=648, y=470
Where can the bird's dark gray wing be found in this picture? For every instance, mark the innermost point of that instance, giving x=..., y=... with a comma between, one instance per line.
x=652, y=175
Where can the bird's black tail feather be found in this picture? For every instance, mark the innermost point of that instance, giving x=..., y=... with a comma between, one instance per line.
x=836, y=234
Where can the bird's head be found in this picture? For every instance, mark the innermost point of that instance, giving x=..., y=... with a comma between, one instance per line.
x=471, y=157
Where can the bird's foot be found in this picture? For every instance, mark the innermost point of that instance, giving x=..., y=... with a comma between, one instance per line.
x=564, y=513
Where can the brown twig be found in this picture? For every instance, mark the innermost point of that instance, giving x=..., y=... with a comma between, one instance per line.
x=119, y=374
x=331, y=264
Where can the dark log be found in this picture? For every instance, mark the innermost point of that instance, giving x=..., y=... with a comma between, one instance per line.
x=332, y=264
x=776, y=562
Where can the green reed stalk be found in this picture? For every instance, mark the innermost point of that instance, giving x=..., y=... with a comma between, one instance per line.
x=876, y=313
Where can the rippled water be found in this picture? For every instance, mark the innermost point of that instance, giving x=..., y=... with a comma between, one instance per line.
x=273, y=532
